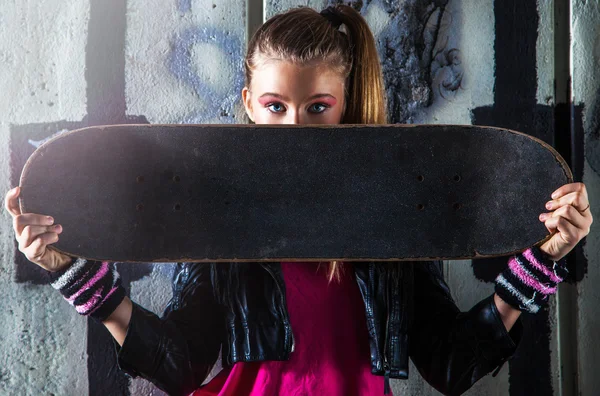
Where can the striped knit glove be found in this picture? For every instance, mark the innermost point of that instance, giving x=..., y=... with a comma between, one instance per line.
x=92, y=287
x=529, y=279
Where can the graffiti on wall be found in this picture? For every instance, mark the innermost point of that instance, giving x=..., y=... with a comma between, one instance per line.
x=183, y=66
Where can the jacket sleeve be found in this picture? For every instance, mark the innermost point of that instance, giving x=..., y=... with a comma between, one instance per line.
x=176, y=352
x=451, y=349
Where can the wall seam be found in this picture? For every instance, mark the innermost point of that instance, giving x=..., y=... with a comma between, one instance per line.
x=566, y=298
x=254, y=17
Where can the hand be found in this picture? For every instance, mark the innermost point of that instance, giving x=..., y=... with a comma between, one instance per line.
x=35, y=233
x=570, y=218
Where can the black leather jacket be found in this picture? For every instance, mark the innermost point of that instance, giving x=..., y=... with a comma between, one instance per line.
x=409, y=312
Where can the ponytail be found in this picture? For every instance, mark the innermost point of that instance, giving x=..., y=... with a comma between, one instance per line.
x=365, y=91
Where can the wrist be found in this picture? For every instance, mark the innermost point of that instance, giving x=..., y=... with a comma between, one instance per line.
x=530, y=278
x=64, y=262
x=545, y=250
x=92, y=287
x=60, y=264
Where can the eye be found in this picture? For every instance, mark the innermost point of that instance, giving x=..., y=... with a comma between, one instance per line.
x=317, y=108
x=275, y=107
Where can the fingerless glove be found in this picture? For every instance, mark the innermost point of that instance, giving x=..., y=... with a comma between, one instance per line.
x=529, y=279
x=92, y=287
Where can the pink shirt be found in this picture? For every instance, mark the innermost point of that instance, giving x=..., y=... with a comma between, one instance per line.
x=335, y=361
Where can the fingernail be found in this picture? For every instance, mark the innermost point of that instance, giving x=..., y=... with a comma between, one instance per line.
x=554, y=195
x=58, y=227
x=542, y=217
x=548, y=205
x=50, y=219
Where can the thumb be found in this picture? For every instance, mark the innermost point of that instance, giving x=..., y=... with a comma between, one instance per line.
x=10, y=202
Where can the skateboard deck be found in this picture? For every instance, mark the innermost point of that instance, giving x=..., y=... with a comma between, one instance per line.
x=172, y=193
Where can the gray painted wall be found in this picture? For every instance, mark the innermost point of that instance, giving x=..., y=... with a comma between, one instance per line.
x=73, y=64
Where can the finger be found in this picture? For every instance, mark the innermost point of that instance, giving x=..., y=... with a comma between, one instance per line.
x=567, y=231
x=576, y=199
x=573, y=216
x=569, y=188
x=37, y=251
x=10, y=202
x=23, y=220
x=31, y=232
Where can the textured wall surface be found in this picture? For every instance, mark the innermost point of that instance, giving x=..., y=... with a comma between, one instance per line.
x=68, y=65
x=42, y=47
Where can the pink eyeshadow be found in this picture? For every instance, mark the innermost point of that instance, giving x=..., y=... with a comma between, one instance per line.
x=264, y=100
x=328, y=100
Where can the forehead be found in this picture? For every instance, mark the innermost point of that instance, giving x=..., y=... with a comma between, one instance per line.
x=286, y=78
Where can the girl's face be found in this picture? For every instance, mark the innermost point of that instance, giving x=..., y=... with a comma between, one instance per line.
x=283, y=93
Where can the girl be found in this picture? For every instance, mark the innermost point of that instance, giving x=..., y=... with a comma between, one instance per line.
x=312, y=328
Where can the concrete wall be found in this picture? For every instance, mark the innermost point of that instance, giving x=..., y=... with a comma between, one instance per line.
x=74, y=64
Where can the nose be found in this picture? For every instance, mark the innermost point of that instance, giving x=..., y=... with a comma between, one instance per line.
x=293, y=117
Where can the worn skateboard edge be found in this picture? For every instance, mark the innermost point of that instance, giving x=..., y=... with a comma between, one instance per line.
x=561, y=161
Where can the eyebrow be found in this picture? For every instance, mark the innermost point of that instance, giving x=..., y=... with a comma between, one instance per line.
x=285, y=98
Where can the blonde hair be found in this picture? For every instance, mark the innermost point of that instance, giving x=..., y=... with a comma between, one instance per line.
x=306, y=37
